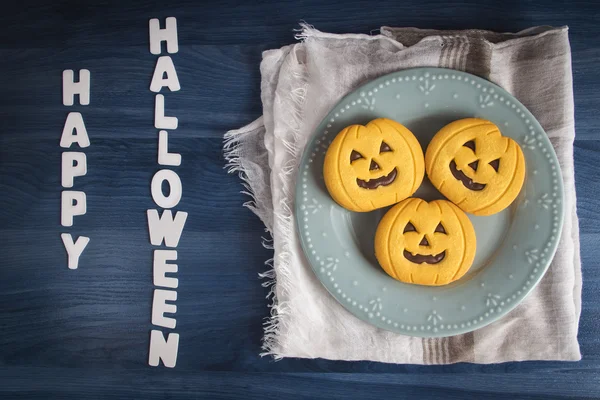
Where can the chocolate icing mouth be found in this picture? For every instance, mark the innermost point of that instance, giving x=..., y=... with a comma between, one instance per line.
x=420, y=258
x=375, y=183
x=466, y=181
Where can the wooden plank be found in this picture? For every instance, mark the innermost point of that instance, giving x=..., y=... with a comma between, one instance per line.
x=220, y=90
x=128, y=384
x=587, y=183
x=117, y=185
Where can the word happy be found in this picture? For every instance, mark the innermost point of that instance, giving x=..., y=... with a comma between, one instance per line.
x=73, y=163
x=164, y=228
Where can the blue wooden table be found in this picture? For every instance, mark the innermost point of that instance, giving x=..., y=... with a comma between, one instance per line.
x=84, y=333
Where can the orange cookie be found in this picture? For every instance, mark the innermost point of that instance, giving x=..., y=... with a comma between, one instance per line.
x=425, y=243
x=373, y=166
x=475, y=167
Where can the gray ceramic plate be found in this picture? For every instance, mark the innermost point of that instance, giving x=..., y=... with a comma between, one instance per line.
x=514, y=247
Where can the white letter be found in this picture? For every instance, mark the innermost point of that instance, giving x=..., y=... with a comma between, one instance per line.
x=159, y=307
x=163, y=350
x=72, y=203
x=164, y=157
x=70, y=88
x=74, y=163
x=74, y=250
x=74, y=121
x=175, y=189
x=166, y=227
x=160, y=121
x=169, y=35
x=164, y=65
x=161, y=268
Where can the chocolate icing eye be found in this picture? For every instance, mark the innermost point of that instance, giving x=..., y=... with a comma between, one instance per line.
x=409, y=228
x=440, y=228
x=495, y=164
x=355, y=155
x=384, y=147
x=470, y=144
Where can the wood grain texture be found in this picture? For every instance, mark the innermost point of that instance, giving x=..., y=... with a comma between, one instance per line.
x=84, y=333
x=231, y=385
x=122, y=105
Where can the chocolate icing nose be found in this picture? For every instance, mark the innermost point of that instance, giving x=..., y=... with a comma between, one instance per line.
x=373, y=166
x=474, y=165
x=424, y=242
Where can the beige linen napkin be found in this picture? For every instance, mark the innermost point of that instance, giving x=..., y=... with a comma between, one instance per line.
x=300, y=85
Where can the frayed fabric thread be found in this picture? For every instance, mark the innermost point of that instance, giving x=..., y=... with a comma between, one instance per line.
x=277, y=276
x=307, y=31
x=279, y=309
x=233, y=162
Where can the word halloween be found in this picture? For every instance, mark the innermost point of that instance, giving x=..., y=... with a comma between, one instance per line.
x=74, y=163
x=165, y=227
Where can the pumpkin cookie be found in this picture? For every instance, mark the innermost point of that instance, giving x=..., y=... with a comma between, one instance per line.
x=373, y=166
x=425, y=243
x=474, y=166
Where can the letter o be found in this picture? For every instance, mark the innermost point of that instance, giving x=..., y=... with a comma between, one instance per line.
x=158, y=196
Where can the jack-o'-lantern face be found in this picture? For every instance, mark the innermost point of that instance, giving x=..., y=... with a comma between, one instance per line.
x=425, y=243
x=373, y=166
x=475, y=167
